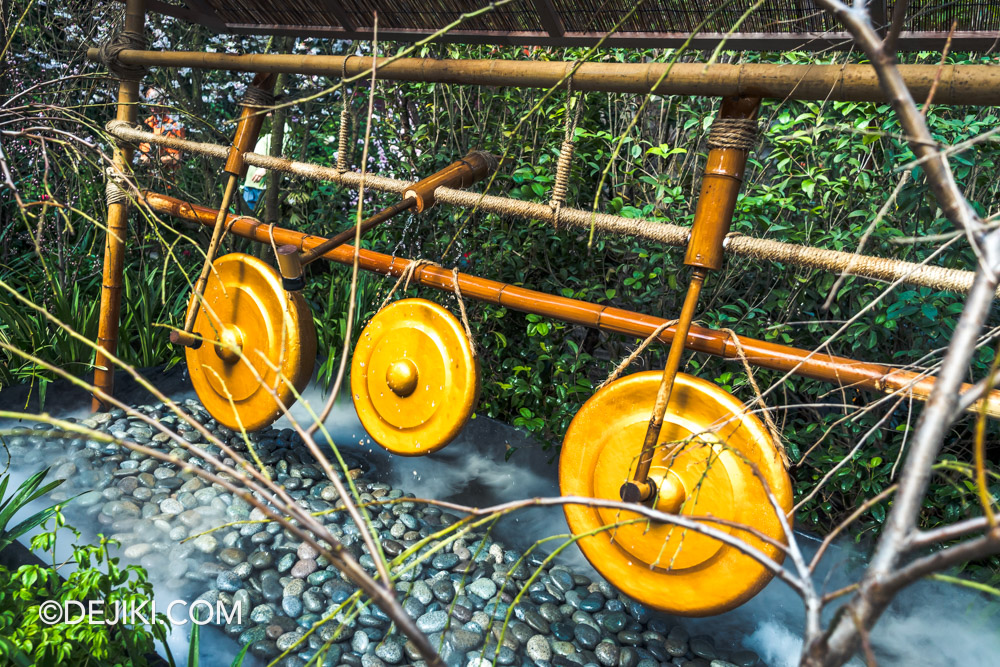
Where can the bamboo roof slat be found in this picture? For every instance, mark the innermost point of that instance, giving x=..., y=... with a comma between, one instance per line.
x=773, y=26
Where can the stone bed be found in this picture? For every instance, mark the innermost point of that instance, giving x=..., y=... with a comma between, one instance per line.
x=459, y=597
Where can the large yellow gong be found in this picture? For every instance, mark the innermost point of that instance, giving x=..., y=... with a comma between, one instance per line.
x=251, y=327
x=699, y=469
x=414, y=377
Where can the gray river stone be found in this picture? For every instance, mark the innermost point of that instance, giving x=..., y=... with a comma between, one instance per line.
x=459, y=596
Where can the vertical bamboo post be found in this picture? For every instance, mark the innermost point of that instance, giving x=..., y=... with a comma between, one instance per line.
x=114, y=245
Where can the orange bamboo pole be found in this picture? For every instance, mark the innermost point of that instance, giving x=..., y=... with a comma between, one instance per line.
x=976, y=85
x=720, y=187
x=821, y=366
x=114, y=243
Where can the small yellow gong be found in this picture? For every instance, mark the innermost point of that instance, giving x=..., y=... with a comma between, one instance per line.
x=414, y=377
x=699, y=469
x=251, y=327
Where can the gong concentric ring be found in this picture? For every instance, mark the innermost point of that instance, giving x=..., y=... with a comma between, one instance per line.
x=414, y=377
x=700, y=468
x=250, y=327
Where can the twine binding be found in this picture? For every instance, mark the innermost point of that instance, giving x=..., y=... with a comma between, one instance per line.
x=733, y=133
x=108, y=53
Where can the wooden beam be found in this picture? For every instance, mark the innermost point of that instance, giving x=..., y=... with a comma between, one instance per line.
x=337, y=9
x=550, y=18
x=764, y=42
x=209, y=18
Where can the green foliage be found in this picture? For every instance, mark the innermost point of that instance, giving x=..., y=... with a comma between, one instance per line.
x=29, y=490
x=25, y=639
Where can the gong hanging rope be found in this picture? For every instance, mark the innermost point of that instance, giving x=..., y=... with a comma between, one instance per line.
x=779, y=444
x=616, y=373
x=406, y=276
x=461, y=308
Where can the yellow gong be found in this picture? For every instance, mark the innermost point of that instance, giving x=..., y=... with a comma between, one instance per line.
x=251, y=328
x=700, y=469
x=414, y=377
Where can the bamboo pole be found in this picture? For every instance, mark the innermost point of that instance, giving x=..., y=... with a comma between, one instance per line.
x=720, y=186
x=973, y=85
x=865, y=266
x=114, y=243
x=841, y=371
x=247, y=133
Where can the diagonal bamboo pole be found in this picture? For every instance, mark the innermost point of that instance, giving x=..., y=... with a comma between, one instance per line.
x=247, y=132
x=720, y=186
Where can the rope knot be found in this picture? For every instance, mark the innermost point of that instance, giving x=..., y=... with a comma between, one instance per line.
x=114, y=193
x=734, y=133
x=109, y=52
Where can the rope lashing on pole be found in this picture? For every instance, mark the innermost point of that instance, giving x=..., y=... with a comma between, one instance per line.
x=114, y=193
x=257, y=97
x=565, y=162
x=108, y=53
x=937, y=278
x=736, y=133
x=343, y=134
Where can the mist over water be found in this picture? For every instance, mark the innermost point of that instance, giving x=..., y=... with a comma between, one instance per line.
x=931, y=623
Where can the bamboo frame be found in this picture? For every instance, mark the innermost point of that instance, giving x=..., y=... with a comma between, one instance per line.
x=117, y=231
x=865, y=266
x=841, y=371
x=974, y=85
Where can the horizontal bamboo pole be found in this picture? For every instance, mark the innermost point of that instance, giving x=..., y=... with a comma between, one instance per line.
x=974, y=85
x=865, y=266
x=821, y=366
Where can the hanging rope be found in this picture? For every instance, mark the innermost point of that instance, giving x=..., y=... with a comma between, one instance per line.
x=406, y=276
x=108, y=53
x=733, y=133
x=616, y=373
x=768, y=420
x=343, y=137
x=461, y=308
x=564, y=164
